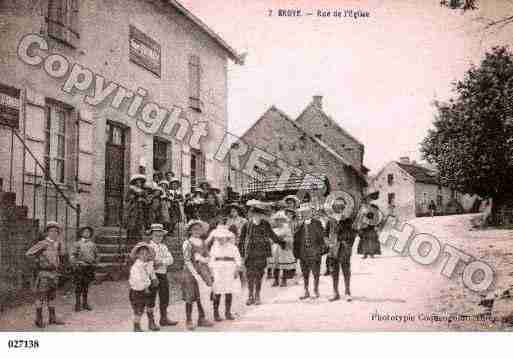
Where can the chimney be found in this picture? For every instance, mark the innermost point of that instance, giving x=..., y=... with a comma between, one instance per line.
x=317, y=101
x=404, y=160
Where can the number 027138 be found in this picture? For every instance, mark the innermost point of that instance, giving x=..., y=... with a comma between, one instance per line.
x=23, y=343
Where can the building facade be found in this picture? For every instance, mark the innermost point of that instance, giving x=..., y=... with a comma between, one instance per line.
x=98, y=90
x=406, y=189
x=292, y=143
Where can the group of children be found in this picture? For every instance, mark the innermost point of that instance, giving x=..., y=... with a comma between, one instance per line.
x=160, y=200
x=48, y=256
x=222, y=251
x=211, y=270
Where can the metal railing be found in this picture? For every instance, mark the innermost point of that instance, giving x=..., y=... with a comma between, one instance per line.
x=42, y=186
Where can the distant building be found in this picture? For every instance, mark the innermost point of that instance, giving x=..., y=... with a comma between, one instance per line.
x=301, y=145
x=406, y=189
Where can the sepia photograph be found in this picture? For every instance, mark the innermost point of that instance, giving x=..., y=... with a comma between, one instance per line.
x=251, y=166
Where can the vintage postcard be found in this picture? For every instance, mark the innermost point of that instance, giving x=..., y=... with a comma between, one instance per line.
x=255, y=166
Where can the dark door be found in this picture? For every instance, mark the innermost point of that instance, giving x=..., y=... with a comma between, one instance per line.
x=114, y=174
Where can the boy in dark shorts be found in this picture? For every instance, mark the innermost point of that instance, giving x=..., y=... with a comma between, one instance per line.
x=140, y=282
x=46, y=254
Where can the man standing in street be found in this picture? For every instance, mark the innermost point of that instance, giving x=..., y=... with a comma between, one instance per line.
x=309, y=247
x=162, y=260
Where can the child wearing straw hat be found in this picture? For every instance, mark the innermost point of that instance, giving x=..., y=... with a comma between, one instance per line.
x=285, y=258
x=162, y=260
x=225, y=262
x=140, y=281
x=46, y=254
x=196, y=273
x=83, y=257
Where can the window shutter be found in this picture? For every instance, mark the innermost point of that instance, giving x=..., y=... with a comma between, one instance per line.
x=71, y=150
x=194, y=82
x=85, y=149
x=35, y=134
x=56, y=20
x=73, y=31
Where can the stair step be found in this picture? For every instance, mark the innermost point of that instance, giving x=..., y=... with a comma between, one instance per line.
x=109, y=239
x=113, y=248
x=7, y=199
x=111, y=231
x=113, y=257
x=103, y=267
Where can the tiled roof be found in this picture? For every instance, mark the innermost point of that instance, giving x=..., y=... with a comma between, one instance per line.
x=419, y=173
x=271, y=184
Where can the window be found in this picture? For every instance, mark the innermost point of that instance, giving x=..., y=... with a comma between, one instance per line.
x=160, y=151
x=197, y=167
x=280, y=147
x=57, y=117
x=390, y=179
x=439, y=200
x=391, y=199
x=62, y=21
x=194, y=82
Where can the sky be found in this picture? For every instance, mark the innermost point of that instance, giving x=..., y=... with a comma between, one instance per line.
x=378, y=75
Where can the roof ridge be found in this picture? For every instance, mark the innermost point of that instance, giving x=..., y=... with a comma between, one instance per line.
x=322, y=112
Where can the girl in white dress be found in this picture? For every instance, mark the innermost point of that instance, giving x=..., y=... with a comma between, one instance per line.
x=225, y=262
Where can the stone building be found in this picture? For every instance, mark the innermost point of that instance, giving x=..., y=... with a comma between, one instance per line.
x=406, y=189
x=298, y=144
x=69, y=94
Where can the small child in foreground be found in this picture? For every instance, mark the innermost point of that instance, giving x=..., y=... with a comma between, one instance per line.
x=140, y=282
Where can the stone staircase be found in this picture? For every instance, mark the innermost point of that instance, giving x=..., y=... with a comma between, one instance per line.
x=114, y=250
x=17, y=234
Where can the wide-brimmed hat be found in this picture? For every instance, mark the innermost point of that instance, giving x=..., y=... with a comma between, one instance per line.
x=215, y=190
x=137, y=247
x=52, y=224
x=174, y=180
x=136, y=177
x=164, y=182
x=257, y=206
x=197, y=190
x=304, y=209
x=157, y=227
x=348, y=209
x=238, y=207
x=81, y=230
x=290, y=210
x=292, y=197
x=203, y=181
x=279, y=216
x=148, y=185
x=158, y=189
x=194, y=222
x=221, y=231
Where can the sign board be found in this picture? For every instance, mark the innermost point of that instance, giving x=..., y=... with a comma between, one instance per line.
x=9, y=106
x=144, y=51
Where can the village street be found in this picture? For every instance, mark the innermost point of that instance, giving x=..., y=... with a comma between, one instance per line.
x=387, y=285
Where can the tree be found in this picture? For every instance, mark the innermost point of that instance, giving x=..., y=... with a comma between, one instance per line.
x=471, y=5
x=472, y=139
